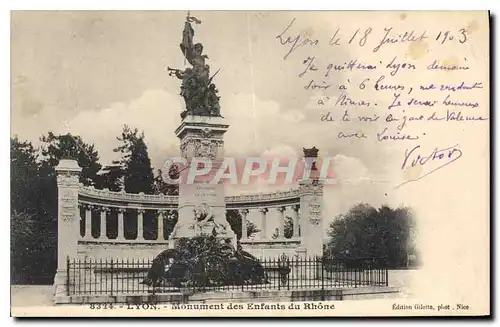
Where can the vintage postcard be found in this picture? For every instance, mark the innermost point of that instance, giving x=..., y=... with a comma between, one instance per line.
x=250, y=163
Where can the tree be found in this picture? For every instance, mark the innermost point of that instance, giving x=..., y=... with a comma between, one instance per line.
x=136, y=165
x=162, y=187
x=111, y=177
x=57, y=147
x=288, y=229
x=24, y=176
x=365, y=233
x=24, y=226
x=23, y=231
x=34, y=202
x=233, y=217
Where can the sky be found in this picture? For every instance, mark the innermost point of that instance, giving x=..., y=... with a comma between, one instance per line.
x=89, y=73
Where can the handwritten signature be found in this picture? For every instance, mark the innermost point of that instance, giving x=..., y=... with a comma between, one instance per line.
x=443, y=156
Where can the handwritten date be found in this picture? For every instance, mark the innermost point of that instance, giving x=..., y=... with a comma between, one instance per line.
x=367, y=36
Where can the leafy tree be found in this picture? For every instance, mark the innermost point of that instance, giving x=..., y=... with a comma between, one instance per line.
x=23, y=231
x=57, y=147
x=288, y=229
x=233, y=217
x=162, y=187
x=24, y=208
x=136, y=164
x=24, y=176
x=34, y=202
x=111, y=177
x=365, y=233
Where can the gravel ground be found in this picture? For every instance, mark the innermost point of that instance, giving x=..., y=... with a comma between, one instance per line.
x=31, y=295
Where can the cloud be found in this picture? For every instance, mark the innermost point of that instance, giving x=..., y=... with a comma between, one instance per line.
x=349, y=169
x=156, y=112
x=355, y=184
x=257, y=127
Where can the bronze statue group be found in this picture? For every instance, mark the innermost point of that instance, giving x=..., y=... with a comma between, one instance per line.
x=205, y=260
x=197, y=89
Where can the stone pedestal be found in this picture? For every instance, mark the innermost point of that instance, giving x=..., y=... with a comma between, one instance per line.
x=68, y=221
x=202, y=205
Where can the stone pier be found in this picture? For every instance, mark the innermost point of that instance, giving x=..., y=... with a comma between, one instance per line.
x=68, y=221
x=202, y=205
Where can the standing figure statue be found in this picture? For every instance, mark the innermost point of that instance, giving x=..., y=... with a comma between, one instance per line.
x=197, y=89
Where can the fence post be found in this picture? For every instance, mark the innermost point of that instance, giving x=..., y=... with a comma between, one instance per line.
x=386, y=277
x=111, y=275
x=149, y=264
x=288, y=268
x=67, y=276
x=279, y=274
x=322, y=267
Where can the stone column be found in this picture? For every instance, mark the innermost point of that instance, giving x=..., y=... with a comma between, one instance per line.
x=244, y=232
x=120, y=224
x=88, y=222
x=296, y=226
x=263, y=232
x=161, y=216
x=104, y=211
x=68, y=222
x=281, y=228
x=140, y=224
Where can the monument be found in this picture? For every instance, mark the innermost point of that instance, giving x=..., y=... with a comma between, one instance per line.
x=201, y=207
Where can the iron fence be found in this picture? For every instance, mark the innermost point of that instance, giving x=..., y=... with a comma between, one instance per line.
x=125, y=276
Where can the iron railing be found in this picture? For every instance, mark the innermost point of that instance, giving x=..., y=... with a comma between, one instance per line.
x=124, y=276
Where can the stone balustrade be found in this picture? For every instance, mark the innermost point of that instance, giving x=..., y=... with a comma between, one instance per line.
x=119, y=199
x=105, y=211
x=104, y=214
x=108, y=203
x=91, y=195
x=109, y=217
